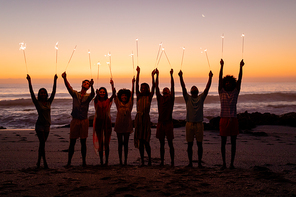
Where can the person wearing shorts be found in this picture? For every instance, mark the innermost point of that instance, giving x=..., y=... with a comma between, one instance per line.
x=165, y=121
x=229, y=89
x=194, y=117
x=79, y=123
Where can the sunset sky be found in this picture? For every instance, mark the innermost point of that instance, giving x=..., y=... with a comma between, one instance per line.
x=114, y=25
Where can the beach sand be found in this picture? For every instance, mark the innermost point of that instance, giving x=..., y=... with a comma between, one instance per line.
x=265, y=165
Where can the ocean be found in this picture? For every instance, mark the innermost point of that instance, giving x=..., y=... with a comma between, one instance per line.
x=17, y=110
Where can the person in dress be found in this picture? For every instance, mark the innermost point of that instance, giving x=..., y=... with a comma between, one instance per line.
x=123, y=125
x=142, y=120
x=229, y=89
x=194, y=117
x=79, y=123
x=165, y=124
x=102, y=121
x=42, y=126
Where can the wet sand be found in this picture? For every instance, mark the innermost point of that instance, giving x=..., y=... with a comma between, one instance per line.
x=265, y=165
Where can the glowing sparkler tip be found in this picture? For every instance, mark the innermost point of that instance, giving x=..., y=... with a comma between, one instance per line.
x=183, y=48
x=98, y=63
x=56, y=46
x=23, y=46
x=88, y=51
x=206, y=50
x=243, y=35
x=162, y=49
x=203, y=15
x=108, y=63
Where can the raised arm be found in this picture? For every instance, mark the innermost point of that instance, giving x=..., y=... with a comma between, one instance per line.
x=54, y=88
x=34, y=99
x=153, y=85
x=182, y=83
x=240, y=76
x=206, y=91
x=157, y=82
x=137, y=81
x=67, y=84
x=221, y=75
x=113, y=90
x=92, y=93
x=172, y=83
x=133, y=84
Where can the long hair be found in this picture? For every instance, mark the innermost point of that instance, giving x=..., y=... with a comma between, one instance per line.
x=106, y=95
x=39, y=92
x=124, y=91
x=148, y=89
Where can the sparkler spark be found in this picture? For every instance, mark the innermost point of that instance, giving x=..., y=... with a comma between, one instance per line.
x=23, y=47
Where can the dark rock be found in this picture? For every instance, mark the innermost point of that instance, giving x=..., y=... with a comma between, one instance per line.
x=288, y=119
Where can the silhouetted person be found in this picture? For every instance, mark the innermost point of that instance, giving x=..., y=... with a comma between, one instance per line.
x=42, y=126
x=79, y=123
x=142, y=119
x=102, y=121
x=194, y=116
x=165, y=124
x=229, y=89
x=124, y=124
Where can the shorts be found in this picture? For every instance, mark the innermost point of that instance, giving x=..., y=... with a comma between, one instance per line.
x=228, y=127
x=79, y=128
x=194, y=129
x=165, y=129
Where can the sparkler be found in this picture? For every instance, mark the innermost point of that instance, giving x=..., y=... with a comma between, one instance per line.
x=109, y=63
x=160, y=56
x=182, y=57
x=70, y=57
x=167, y=58
x=57, y=48
x=23, y=47
x=137, y=46
x=222, y=44
x=207, y=58
x=160, y=45
x=89, y=63
x=98, y=72
x=132, y=55
x=243, y=42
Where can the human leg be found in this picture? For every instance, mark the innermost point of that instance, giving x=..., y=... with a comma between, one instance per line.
x=141, y=150
x=233, y=150
x=199, y=152
x=189, y=152
x=161, y=151
x=83, y=151
x=148, y=150
x=126, y=138
x=172, y=152
x=120, y=143
x=71, y=151
x=223, y=144
x=41, y=151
